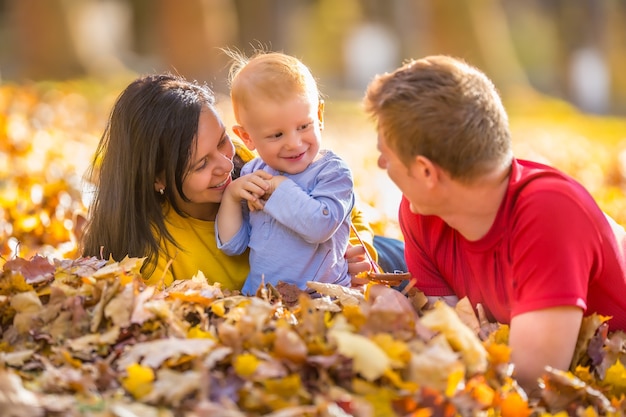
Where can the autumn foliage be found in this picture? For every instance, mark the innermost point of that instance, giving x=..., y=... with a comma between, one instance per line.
x=85, y=336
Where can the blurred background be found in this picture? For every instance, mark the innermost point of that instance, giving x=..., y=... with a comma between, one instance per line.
x=571, y=49
x=559, y=65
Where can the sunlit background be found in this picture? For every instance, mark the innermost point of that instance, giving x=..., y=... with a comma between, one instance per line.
x=559, y=65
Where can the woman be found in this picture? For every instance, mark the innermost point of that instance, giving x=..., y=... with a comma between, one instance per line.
x=161, y=168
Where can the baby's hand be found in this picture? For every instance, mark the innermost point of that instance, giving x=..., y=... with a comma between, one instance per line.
x=273, y=183
x=251, y=187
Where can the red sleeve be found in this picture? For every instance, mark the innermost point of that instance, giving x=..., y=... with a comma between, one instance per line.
x=420, y=264
x=554, y=248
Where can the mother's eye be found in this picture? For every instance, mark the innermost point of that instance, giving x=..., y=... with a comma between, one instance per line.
x=201, y=165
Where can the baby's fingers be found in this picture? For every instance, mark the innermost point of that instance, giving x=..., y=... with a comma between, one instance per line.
x=255, y=205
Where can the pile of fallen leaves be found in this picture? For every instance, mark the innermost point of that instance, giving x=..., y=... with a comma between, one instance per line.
x=86, y=336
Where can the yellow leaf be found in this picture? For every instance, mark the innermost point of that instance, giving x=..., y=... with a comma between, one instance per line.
x=368, y=359
x=245, y=364
x=397, y=350
x=455, y=382
x=138, y=380
x=616, y=378
x=499, y=353
x=218, y=308
x=582, y=373
x=443, y=318
x=354, y=315
x=397, y=381
x=381, y=401
x=197, y=333
x=285, y=387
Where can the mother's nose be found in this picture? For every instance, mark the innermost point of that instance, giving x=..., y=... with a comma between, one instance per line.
x=224, y=163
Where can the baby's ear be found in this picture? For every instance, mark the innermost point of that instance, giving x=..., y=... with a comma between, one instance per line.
x=320, y=114
x=244, y=136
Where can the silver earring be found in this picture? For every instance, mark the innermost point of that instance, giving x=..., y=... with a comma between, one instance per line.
x=162, y=191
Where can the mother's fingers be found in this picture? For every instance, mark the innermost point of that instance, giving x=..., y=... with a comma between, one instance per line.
x=357, y=262
x=355, y=252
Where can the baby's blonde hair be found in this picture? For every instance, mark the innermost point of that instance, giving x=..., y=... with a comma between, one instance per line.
x=269, y=75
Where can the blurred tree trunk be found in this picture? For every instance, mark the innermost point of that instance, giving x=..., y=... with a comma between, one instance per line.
x=477, y=31
x=190, y=33
x=42, y=40
x=615, y=43
x=264, y=24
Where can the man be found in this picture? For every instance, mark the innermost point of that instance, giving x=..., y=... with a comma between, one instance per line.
x=524, y=240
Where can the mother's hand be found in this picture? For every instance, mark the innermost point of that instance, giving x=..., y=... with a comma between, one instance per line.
x=357, y=262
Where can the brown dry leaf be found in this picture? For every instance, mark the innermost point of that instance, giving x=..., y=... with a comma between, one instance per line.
x=17, y=358
x=117, y=309
x=28, y=306
x=467, y=315
x=588, y=329
x=155, y=352
x=345, y=295
x=35, y=271
x=562, y=388
x=15, y=400
x=173, y=387
x=432, y=363
x=91, y=342
x=289, y=345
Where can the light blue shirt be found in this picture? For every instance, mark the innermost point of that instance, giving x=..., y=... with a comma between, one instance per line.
x=302, y=232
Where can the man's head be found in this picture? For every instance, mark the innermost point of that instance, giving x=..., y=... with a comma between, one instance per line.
x=445, y=110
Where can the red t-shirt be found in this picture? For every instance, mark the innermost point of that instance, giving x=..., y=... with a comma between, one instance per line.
x=550, y=245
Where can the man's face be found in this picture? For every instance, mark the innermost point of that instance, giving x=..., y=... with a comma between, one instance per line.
x=400, y=174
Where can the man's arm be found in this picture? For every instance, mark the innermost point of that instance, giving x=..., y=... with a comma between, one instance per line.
x=543, y=338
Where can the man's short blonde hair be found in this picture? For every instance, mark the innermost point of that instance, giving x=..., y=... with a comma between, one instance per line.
x=445, y=110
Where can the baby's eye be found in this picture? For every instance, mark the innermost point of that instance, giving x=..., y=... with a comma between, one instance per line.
x=276, y=135
x=305, y=126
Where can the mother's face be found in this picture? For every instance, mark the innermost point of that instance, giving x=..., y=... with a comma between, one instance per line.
x=210, y=164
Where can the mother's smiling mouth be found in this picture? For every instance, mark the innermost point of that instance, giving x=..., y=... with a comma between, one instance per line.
x=223, y=183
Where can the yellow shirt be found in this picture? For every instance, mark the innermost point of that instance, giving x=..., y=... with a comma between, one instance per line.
x=198, y=252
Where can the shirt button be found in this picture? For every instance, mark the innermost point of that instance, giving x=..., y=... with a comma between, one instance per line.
x=325, y=212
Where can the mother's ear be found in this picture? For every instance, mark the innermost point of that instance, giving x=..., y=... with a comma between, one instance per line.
x=159, y=185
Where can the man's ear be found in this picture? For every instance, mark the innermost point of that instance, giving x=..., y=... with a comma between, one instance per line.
x=320, y=114
x=244, y=136
x=424, y=169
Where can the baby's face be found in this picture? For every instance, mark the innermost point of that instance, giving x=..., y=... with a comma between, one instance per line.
x=286, y=134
